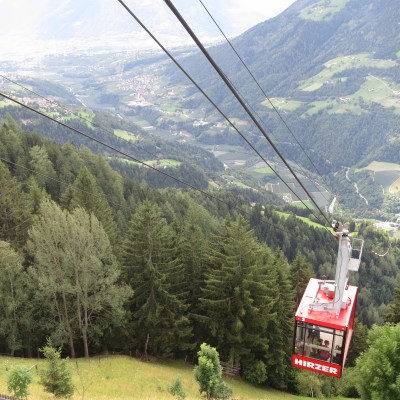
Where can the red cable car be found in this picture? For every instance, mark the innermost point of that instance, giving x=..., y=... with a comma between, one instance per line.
x=325, y=316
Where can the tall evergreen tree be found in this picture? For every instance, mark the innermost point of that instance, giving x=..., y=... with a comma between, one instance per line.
x=228, y=301
x=44, y=171
x=154, y=271
x=87, y=194
x=193, y=250
x=300, y=274
x=280, y=328
x=13, y=298
x=393, y=315
x=15, y=216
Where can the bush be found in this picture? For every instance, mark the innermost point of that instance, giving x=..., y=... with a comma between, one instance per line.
x=176, y=389
x=18, y=380
x=208, y=374
x=256, y=372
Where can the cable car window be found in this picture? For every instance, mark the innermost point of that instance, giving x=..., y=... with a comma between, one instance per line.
x=318, y=342
x=337, y=348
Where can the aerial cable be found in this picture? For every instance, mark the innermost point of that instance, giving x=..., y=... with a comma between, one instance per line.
x=210, y=100
x=240, y=100
x=118, y=151
x=109, y=147
x=105, y=130
x=80, y=117
x=263, y=91
x=67, y=185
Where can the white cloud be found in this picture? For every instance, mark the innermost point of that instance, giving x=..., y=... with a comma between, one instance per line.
x=245, y=14
x=25, y=21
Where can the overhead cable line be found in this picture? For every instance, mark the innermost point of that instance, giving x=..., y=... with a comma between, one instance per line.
x=88, y=121
x=123, y=153
x=109, y=147
x=67, y=185
x=212, y=102
x=153, y=155
x=263, y=91
x=240, y=100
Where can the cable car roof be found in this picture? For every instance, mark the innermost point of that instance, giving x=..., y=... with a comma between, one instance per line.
x=325, y=318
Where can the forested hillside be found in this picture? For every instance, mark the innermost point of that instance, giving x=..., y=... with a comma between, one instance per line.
x=101, y=262
x=331, y=68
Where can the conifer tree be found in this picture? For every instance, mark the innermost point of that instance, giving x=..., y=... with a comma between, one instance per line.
x=15, y=216
x=13, y=297
x=56, y=377
x=300, y=274
x=393, y=315
x=280, y=328
x=44, y=171
x=87, y=194
x=193, y=250
x=230, y=308
x=154, y=271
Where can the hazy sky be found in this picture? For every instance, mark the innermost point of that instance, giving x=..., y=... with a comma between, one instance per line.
x=41, y=25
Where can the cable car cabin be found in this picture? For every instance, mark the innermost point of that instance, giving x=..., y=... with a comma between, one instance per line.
x=322, y=338
x=325, y=316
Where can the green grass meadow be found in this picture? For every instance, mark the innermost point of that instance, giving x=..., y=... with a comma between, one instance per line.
x=126, y=378
x=126, y=135
x=322, y=10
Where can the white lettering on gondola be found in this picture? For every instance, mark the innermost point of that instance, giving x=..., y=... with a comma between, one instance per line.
x=315, y=366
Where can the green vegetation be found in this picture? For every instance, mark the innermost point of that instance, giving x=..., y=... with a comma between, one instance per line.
x=378, y=367
x=208, y=374
x=282, y=103
x=126, y=135
x=56, y=377
x=263, y=170
x=121, y=377
x=18, y=380
x=377, y=166
x=304, y=219
x=86, y=116
x=168, y=162
x=379, y=91
x=101, y=262
x=341, y=64
x=170, y=107
x=322, y=10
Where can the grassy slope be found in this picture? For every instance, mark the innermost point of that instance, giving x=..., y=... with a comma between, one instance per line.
x=120, y=377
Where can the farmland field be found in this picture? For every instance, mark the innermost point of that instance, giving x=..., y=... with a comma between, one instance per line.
x=387, y=175
x=345, y=63
x=322, y=9
x=129, y=136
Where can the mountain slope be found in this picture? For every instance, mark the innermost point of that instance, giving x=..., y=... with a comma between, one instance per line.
x=331, y=67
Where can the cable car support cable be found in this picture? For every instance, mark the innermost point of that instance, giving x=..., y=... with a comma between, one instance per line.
x=239, y=99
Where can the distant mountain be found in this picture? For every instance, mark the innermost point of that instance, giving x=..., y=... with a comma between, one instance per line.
x=332, y=68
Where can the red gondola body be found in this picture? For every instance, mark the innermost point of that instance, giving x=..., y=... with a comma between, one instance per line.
x=325, y=317
x=337, y=330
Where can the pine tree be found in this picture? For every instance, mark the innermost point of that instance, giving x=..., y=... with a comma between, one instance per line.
x=87, y=194
x=193, y=250
x=231, y=300
x=15, y=216
x=300, y=274
x=13, y=298
x=56, y=377
x=280, y=328
x=154, y=271
x=393, y=315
